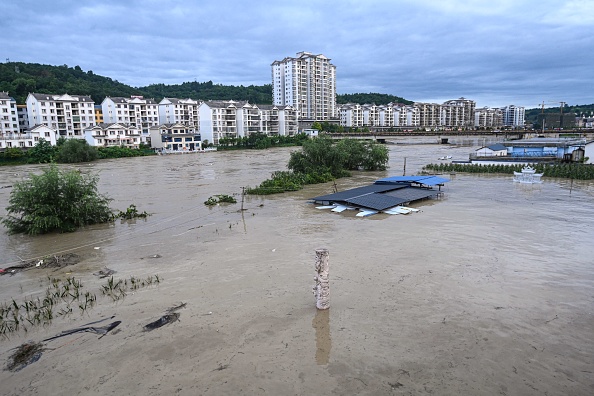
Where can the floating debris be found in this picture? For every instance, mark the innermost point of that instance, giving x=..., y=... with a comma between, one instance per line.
x=177, y=307
x=56, y=261
x=104, y=273
x=25, y=354
x=97, y=330
x=162, y=321
x=170, y=317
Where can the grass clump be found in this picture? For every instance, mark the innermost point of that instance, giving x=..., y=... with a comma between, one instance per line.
x=220, y=198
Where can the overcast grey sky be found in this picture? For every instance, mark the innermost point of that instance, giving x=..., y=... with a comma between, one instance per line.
x=494, y=52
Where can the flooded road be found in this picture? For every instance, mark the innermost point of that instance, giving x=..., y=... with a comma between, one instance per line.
x=485, y=291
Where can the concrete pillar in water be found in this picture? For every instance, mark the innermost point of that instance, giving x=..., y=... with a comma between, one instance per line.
x=322, y=288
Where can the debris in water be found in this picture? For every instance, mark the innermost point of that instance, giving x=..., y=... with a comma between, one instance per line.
x=54, y=261
x=104, y=273
x=97, y=330
x=162, y=321
x=177, y=307
x=26, y=354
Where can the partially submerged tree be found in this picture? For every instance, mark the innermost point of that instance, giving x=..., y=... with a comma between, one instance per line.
x=323, y=155
x=77, y=150
x=322, y=160
x=56, y=201
x=43, y=152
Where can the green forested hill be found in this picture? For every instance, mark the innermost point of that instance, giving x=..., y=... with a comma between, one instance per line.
x=18, y=79
x=21, y=78
x=260, y=94
x=377, y=98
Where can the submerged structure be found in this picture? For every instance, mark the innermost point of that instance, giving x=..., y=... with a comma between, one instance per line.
x=528, y=175
x=387, y=195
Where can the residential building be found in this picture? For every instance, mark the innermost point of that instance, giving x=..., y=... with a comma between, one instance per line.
x=183, y=111
x=306, y=82
x=458, y=113
x=370, y=115
x=22, y=117
x=385, y=114
x=70, y=115
x=9, y=121
x=29, y=138
x=136, y=111
x=113, y=134
x=488, y=117
x=226, y=119
x=175, y=137
x=429, y=114
x=351, y=115
x=407, y=116
x=98, y=114
x=514, y=116
x=278, y=120
x=585, y=122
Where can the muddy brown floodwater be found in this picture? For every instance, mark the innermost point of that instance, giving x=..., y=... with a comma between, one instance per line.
x=486, y=291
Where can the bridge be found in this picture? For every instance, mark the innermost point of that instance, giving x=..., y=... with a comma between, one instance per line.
x=445, y=137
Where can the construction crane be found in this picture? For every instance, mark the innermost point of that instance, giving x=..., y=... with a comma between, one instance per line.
x=561, y=104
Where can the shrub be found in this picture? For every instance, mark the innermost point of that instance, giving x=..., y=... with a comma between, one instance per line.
x=76, y=150
x=42, y=153
x=55, y=201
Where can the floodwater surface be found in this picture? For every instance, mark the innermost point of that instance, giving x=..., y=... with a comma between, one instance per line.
x=487, y=290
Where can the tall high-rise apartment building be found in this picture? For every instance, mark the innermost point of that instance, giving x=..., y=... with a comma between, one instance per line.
x=514, y=116
x=308, y=84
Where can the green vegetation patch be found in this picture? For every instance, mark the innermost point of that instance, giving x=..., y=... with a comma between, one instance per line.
x=221, y=198
x=56, y=201
x=322, y=160
x=570, y=170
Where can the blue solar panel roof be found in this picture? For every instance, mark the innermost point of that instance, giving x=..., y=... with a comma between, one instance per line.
x=426, y=180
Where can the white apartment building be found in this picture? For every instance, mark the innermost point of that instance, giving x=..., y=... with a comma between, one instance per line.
x=175, y=137
x=458, y=113
x=22, y=117
x=370, y=115
x=351, y=115
x=406, y=116
x=70, y=115
x=182, y=111
x=9, y=121
x=385, y=114
x=226, y=119
x=514, y=116
x=113, y=134
x=278, y=120
x=136, y=111
x=29, y=138
x=429, y=114
x=488, y=117
x=306, y=82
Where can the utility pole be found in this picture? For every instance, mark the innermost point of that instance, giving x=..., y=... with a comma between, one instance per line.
x=543, y=118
